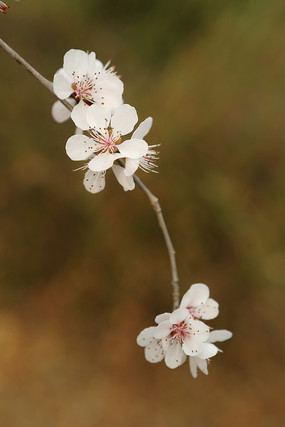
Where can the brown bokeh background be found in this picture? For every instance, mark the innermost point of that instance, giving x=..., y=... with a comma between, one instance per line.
x=82, y=274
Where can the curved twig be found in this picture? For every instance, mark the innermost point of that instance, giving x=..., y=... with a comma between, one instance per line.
x=152, y=198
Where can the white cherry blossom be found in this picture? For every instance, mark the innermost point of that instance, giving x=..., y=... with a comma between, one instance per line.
x=89, y=82
x=198, y=303
x=207, y=350
x=180, y=335
x=183, y=336
x=105, y=145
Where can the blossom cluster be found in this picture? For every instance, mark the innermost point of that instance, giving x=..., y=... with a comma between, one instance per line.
x=182, y=334
x=95, y=92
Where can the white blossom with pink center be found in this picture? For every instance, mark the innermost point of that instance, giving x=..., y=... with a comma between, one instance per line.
x=207, y=350
x=183, y=336
x=198, y=303
x=105, y=145
x=89, y=82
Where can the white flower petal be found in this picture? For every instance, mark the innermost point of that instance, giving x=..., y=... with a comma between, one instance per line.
x=98, y=117
x=202, y=365
x=178, y=316
x=196, y=295
x=79, y=147
x=124, y=119
x=127, y=182
x=143, y=129
x=110, y=92
x=75, y=62
x=103, y=161
x=219, y=335
x=162, y=330
x=208, y=350
x=161, y=317
x=99, y=66
x=154, y=352
x=94, y=182
x=145, y=336
x=133, y=148
x=91, y=68
x=191, y=346
x=59, y=112
x=209, y=310
x=131, y=166
x=78, y=115
x=200, y=330
x=62, y=86
x=193, y=366
x=174, y=355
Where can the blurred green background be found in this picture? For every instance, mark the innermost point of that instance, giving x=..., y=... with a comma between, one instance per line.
x=82, y=274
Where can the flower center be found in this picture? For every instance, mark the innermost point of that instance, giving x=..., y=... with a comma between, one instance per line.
x=108, y=140
x=180, y=331
x=84, y=89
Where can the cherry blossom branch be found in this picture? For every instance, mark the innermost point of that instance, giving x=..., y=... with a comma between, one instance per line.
x=152, y=198
x=31, y=70
x=171, y=251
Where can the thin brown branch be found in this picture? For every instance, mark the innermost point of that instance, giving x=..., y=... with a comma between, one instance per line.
x=21, y=61
x=152, y=198
x=171, y=251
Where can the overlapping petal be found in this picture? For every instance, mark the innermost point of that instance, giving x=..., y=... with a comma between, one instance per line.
x=103, y=161
x=196, y=295
x=154, y=352
x=178, y=315
x=98, y=118
x=124, y=119
x=79, y=147
x=131, y=166
x=207, y=350
x=62, y=86
x=143, y=129
x=161, y=317
x=219, y=335
x=94, y=182
x=78, y=115
x=59, y=112
x=195, y=363
x=133, y=148
x=75, y=62
x=162, y=330
x=127, y=182
x=174, y=356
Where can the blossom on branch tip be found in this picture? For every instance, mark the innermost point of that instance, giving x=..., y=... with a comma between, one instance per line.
x=183, y=335
x=105, y=145
x=180, y=334
x=89, y=82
